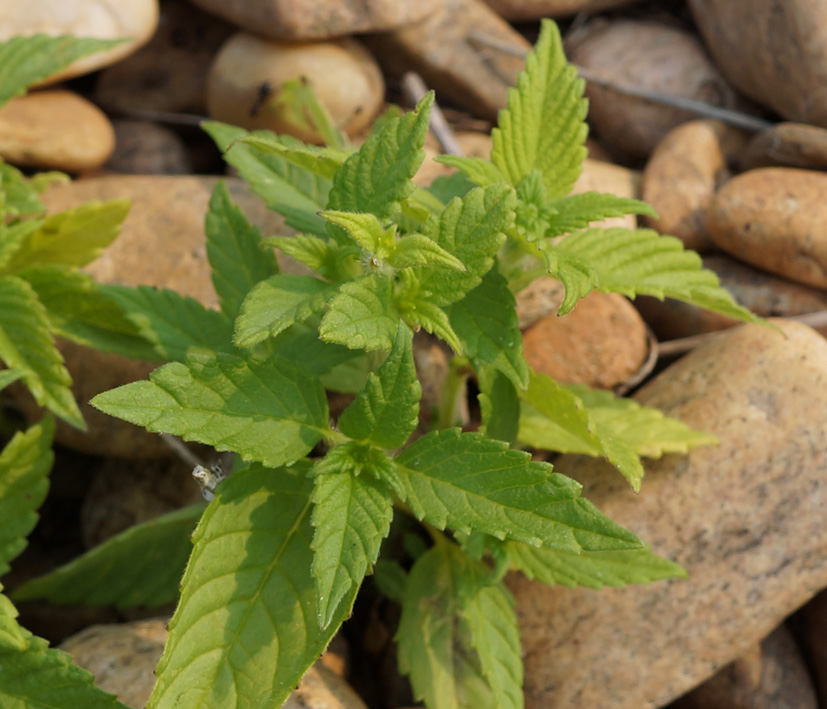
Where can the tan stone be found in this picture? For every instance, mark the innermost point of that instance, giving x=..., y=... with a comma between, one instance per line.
x=443, y=50
x=775, y=219
x=248, y=73
x=526, y=10
x=745, y=518
x=131, y=20
x=787, y=144
x=55, y=130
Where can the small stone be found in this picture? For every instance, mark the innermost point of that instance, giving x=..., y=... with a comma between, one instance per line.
x=775, y=219
x=318, y=19
x=444, y=51
x=745, y=518
x=814, y=626
x=55, y=130
x=653, y=56
x=248, y=73
x=143, y=148
x=131, y=20
x=787, y=144
x=771, y=676
x=321, y=688
x=528, y=10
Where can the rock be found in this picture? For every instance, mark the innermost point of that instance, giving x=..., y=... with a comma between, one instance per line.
x=55, y=130
x=131, y=20
x=601, y=343
x=745, y=518
x=170, y=73
x=775, y=53
x=528, y=10
x=653, y=56
x=318, y=19
x=788, y=144
x=443, y=50
x=775, y=219
x=815, y=641
x=771, y=676
x=606, y=177
x=321, y=688
x=247, y=74
x=681, y=176
x=143, y=148
x=762, y=293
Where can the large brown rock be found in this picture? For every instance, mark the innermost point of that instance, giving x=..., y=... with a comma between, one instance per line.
x=526, y=10
x=745, y=518
x=786, y=144
x=776, y=219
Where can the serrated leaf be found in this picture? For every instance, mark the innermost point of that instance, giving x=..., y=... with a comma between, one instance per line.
x=543, y=125
x=26, y=344
x=18, y=197
x=271, y=411
x=8, y=376
x=420, y=313
x=351, y=516
x=593, y=569
x=79, y=311
x=480, y=171
x=141, y=566
x=235, y=251
x=577, y=211
x=323, y=257
x=27, y=60
x=277, y=303
x=12, y=238
x=365, y=229
x=445, y=187
x=12, y=636
x=486, y=323
x=292, y=191
x=362, y=315
x=637, y=262
x=322, y=161
x=472, y=483
x=175, y=325
x=25, y=463
x=75, y=237
x=419, y=250
x=499, y=404
x=386, y=410
x=471, y=229
x=296, y=103
x=246, y=628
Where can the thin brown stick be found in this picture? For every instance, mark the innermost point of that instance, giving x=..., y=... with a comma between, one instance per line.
x=415, y=88
x=181, y=450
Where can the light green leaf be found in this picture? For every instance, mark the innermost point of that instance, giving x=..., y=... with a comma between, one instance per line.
x=636, y=262
x=25, y=463
x=321, y=161
x=418, y=250
x=543, y=125
x=74, y=237
x=271, y=411
x=27, y=60
x=445, y=187
x=471, y=229
x=386, y=411
x=423, y=314
x=175, y=325
x=296, y=103
x=499, y=404
x=472, y=483
x=351, y=516
x=18, y=197
x=362, y=315
x=366, y=230
x=480, y=171
x=485, y=321
x=26, y=344
x=141, y=566
x=247, y=628
x=78, y=310
x=8, y=376
x=12, y=636
x=577, y=211
x=293, y=192
x=593, y=569
x=277, y=303
x=12, y=238
x=235, y=251
x=317, y=254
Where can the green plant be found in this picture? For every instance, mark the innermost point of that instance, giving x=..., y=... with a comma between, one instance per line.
x=280, y=553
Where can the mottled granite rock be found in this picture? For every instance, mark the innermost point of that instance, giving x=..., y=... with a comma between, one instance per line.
x=744, y=518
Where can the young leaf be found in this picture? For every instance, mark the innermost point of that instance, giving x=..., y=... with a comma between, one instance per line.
x=141, y=566
x=175, y=325
x=292, y=191
x=636, y=262
x=499, y=404
x=26, y=344
x=277, y=303
x=472, y=483
x=323, y=257
x=271, y=411
x=577, y=211
x=470, y=229
x=543, y=125
x=12, y=636
x=235, y=252
x=74, y=237
x=480, y=171
x=12, y=238
x=485, y=321
x=422, y=313
x=322, y=161
x=351, y=516
x=592, y=569
x=25, y=463
x=418, y=250
x=8, y=376
x=18, y=198
x=27, y=60
x=247, y=628
x=386, y=411
x=365, y=229
x=362, y=315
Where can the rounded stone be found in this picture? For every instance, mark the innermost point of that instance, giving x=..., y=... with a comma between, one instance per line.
x=529, y=10
x=787, y=144
x=143, y=148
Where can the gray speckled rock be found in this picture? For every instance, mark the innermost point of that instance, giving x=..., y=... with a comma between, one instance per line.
x=745, y=518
